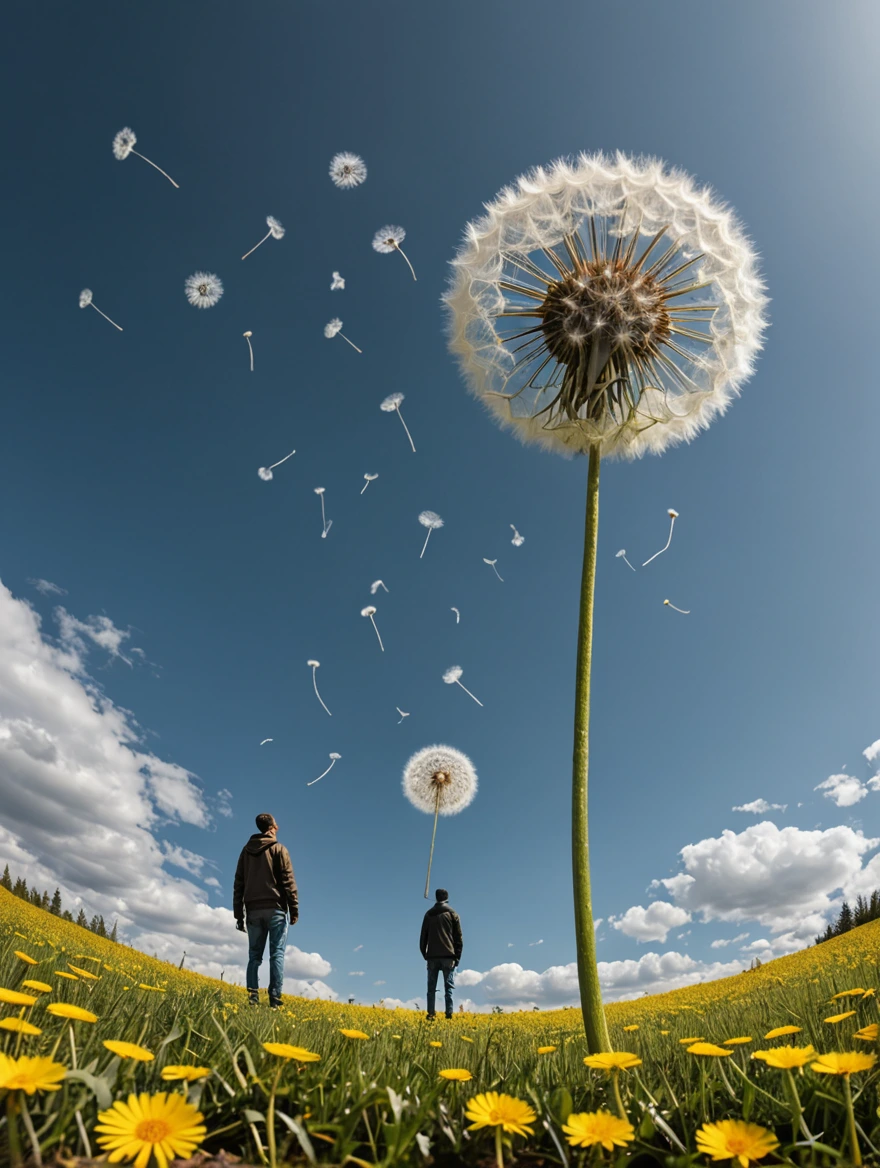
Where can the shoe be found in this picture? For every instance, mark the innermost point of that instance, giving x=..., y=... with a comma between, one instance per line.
x=274, y=1005
x=253, y=1001
x=430, y=1017
x=448, y=1017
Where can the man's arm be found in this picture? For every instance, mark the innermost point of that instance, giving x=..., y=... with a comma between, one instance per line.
x=423, y=939
x=456, y=937
x=288, y=884
x=238, y=889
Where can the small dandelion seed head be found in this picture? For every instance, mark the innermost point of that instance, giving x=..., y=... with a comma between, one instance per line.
x=620, y=554
x=347, y=170
x=485, y=561
x=332, y=327
x=371, y=477
x=388, y=239
x=440, y=769
x=338, y=283
x=452, y=674
x=672, y=514
x=203, y=289
x=430, y=519
x=275, y=228
x=313, y=664
x=265, y=474
x=85, y=298
x=370, y=610
x=247, y=334
x=391, y=403
x=335, y=756
x=665, y=601
x=123, y=143
x=319, y=490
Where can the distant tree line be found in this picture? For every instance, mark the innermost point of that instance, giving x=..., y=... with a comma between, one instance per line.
x=850, y=918
x=52, y=904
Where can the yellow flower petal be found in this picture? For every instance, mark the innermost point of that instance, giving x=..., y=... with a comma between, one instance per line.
x=456, y=1075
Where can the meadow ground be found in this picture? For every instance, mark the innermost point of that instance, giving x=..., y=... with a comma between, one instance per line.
x=363, y=1085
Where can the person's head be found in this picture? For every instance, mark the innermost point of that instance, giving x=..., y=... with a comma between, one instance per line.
x=441, y=894
x=266, y=823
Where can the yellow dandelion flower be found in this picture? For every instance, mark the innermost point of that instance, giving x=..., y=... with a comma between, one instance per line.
x=23, y=937
x=398, y=1036
x=736, y=1041
x=869, y=993
x=155, y=989
x=613, y=1060
x=629, y=1030
x=547, y=1049
x=74, y=1013
x=63, y=973
x=435, y=1044
x=464, y=1038
x=734, y=1139
x=129, y=1050
x=585, y=1128
x=780, y=1031
x=30, y=1074
x=685, y=1041
x=848, y=994
x=708, y=1050
x=501, y=1111
x=19, y=1026
x=867, y=1033
x=664, y=1031
x=86, y=973
x=37, y=985
x=163, y=1125
x=835, y=1018
x=456, y=1075
x=171, y=1073
x=286, y=1051
x=354, y=1034
x=784, y=1058
x=25, y=957
x=846, y=1063
x=14, y=998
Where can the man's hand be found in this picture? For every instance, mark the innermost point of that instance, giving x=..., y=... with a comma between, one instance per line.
x=294, y=919
x=239, y=924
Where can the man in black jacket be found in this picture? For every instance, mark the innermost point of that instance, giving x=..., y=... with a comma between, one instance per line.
x=265, y=889
x=440, y=945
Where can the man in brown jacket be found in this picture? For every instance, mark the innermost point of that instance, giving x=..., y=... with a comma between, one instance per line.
x=265, y=889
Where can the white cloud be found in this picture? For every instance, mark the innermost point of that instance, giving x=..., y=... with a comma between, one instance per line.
x=213, y=882
x=652, y=923
x=760, y=807
x=781, y=877
x=47, y=588
x=533, y=943
x=357, y=948
x=400, y=1004
x=84, y=805
x=722, y=944
x=872, y=752
x=510, y=944
x=223, y=802
x=355, y=973
x=378, y=983
x=846, y=790
x=100, y=630
x=309, y=989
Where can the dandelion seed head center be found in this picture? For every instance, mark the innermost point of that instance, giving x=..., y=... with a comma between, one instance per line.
x=203, y=289
x=152, y=1131
x=441, y=778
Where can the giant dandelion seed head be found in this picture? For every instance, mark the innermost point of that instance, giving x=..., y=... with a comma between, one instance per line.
x=388, y=239
x=85, y=298
x=391, y=402
x=452, y=674
x=636, y=302
x=347, y=170
x=443, y=769
x=275, y=228
x=203, y=289
x=123, y=143
x=430, y=519
x=332, y=327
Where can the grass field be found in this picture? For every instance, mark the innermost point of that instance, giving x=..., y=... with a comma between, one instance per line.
x=380, y=1098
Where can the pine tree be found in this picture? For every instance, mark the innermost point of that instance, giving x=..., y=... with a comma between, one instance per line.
x=81, y=920
x=45, y=901
x=20, y=888
x=67, y=915
x=6, y=879
x=113, y=936
x=844, y=921
x=860, y=912
x=55, y=906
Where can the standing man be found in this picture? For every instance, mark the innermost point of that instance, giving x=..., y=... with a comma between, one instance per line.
x=265, y=889
x=440, y=945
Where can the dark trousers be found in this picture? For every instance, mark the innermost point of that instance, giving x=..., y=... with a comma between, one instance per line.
x=436, y=965
x=266, y=924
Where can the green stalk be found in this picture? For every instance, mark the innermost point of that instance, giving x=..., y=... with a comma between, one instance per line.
x=595, y=1026
x=13, y=1137
x=270, y=1118
x=499, y=1152
x=851, y=1118
x=621, y=1110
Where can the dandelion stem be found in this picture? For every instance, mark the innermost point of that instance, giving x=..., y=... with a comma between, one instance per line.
x=499, y=1151
x=256, y=245
x=13, y=1137
x=106, y=317
x=427, y=537
x=851, y=1123
x=159, y=168
x=270, y=1117
x=72, y=1045
x=408, y=264
x=251, y=351
x=32, y=1135
x=468, y=692
x=400, y=415
x=621, y=1110
x=317, y=695
x=595, y=1026
x=353, y=345
x=84, y=1135
x=433, y=837
x=666, y=547
x=376, y=627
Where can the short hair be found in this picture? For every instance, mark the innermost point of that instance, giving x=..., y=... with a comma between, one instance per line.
x=442, y=894
x=265, y=821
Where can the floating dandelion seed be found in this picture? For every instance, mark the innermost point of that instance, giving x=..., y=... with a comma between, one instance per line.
x=388, y=239
x=621, y=555
x=673, y=515
x=85, y=301
x=124, y=144
x=334, y=328
x=685, y=611
x=315, y=665
x=203, y=289
x=370, y=478
x=451, y=677
x=334, y=758
x=391, y=404
x=265, y=740
x=457, y=614
x=319, y=491
x=440, y=781
x=276, y=231
x=338, y=283
x=265, y=472
x=518, y=540
x=376, y=585
x=621, y=353
x=247, y=336
x=347, y=170
x=432, y=521
x=370, y=611
x=402, y=714
x=492, y=564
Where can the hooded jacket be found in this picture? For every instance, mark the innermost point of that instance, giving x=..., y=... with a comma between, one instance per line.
x=441, y=932
x=264, y=878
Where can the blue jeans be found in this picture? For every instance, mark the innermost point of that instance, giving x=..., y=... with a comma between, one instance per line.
x=263, y=923
x=435, y=965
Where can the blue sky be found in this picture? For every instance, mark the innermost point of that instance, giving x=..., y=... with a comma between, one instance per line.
x=128, y=465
